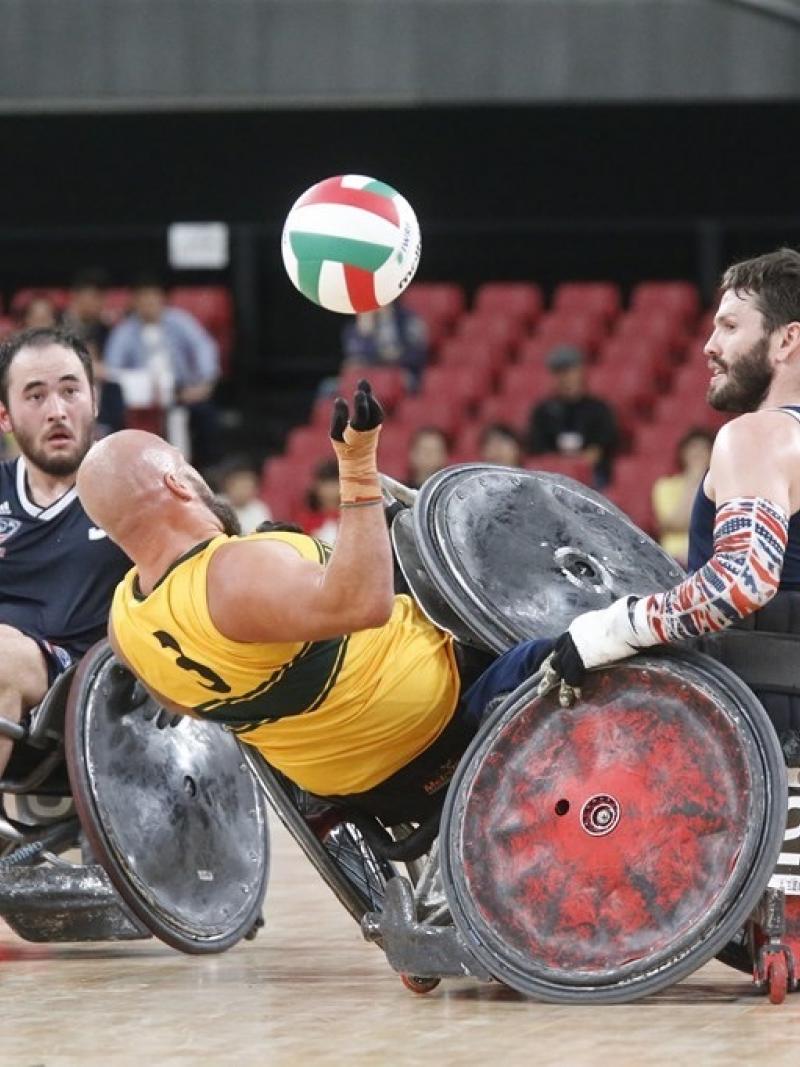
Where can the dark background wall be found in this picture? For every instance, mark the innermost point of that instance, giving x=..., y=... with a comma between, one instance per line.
x=104, y=54
x=540, y=192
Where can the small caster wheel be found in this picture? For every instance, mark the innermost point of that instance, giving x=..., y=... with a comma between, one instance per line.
x=252, y=933
x=777, y=979
x=419, y=985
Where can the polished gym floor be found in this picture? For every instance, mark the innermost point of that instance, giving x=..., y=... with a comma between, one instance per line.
x=310, y=991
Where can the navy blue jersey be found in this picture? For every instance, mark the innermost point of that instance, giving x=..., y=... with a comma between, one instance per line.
x=57, y=570
x=701, y=534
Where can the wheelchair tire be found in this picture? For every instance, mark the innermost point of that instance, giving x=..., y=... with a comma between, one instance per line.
x=172, y=815
x=335, y=847
x=603, y=852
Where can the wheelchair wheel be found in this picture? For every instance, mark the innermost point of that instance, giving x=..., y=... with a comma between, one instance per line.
x=335, y=847
x=172, y=815
x=603, y=852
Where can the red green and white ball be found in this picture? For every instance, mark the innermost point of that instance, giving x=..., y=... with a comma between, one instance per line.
x=351, y=244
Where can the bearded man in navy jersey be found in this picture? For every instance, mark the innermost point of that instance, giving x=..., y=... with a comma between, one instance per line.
x=744, y=541
x=57, y=570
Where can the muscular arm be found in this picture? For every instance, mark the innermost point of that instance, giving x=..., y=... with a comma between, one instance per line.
x=263, y=591
x=753, y=482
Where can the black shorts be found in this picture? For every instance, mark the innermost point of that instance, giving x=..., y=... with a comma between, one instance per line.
x=56, y=658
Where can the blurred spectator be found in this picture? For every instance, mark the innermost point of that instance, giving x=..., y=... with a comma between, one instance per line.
x=178, y=359
x=499, y=444
x=238, y=483
x=40, y=313
x=673, y=496
x=428, y=453
x=84, y=313
x=111, y=415
x=571, y=422
x=320, y=518
x=392, y=336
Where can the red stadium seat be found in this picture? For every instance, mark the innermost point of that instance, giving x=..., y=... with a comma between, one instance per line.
x=417, y=412
x=388, y=383
x=20, y=300
x=7, y=326
x=657, y=325
x=150, y=419
x=522, y=301
x=474, y=352
x=595, y=298
x=441, y=300
x=501, y=329
x=632, y=486
x=512, y=409
x=705, y=325
x=306, y=446
x=523, y=379
x=626, y=354
x=634, y=392
x=439, y=305
x=659, y=439
x=571, y=466
x=283, y=485
x=584, y=331
x=467, y=444
x=395, y=437
x=212, y=306
x=681, y=298
x=467, y=383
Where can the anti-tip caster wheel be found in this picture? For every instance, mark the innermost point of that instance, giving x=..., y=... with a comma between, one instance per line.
x=419, y=985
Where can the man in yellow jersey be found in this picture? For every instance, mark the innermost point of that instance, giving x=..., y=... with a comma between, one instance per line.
x=305, y=652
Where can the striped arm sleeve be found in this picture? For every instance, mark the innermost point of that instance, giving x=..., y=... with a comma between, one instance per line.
x=750, y=535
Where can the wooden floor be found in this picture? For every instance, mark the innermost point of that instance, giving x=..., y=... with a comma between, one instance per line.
x=310, y=991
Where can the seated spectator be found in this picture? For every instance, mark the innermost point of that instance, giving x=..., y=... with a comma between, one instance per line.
x=392, y=336
x=84, y=314
x=673, y=496
x=320, y=517
x=428, y=453
x=499, y=444
x=238, y=483
x=571, y=422
x=40, y=313
x=179, y=359
x=111, y=414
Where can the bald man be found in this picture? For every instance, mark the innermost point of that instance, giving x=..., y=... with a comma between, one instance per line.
x=305, y=652
x=57, y=569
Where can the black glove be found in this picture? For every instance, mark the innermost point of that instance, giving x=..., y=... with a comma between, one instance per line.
x=566, y=661
x=367, y=412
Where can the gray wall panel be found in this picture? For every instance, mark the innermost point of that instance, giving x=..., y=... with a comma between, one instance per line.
x=61, y=54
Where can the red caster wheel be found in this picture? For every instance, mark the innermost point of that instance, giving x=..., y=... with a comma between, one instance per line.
x=419, y=985
x=777, y=979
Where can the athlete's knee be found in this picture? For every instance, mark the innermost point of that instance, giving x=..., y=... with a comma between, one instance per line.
x=22, y=665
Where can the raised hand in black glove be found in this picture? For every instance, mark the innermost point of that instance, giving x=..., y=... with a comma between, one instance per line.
x=367, y=412
x=355, y=442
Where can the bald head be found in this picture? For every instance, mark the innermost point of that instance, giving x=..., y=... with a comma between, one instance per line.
x=142, y=492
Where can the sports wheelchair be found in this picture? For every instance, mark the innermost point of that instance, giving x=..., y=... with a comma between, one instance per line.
x=589, y=854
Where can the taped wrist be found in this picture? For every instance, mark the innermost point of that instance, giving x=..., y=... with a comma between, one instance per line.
x=358, y=465
x=750, y=535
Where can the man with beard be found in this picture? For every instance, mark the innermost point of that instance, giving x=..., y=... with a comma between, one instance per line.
x=57, y=569
x=744, y=541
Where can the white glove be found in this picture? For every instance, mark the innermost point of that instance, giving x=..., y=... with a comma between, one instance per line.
x=592, y=640
x=611, y=633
